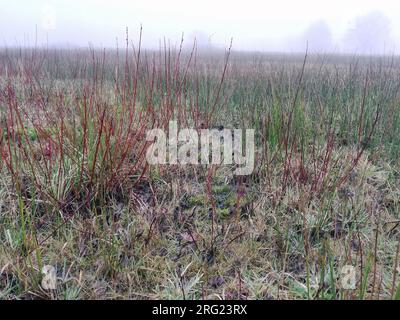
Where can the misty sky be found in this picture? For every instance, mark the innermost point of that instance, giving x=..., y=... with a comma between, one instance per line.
x=363, y=26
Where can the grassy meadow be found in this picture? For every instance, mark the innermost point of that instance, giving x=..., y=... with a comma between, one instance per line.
x=76, y=192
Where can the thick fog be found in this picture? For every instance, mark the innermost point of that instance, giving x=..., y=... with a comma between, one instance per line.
x=342, y=26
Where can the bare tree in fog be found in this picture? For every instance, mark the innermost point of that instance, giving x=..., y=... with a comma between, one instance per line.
x=318, y=36
x=369, y=34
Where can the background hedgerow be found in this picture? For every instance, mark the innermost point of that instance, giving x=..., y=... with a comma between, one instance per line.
x=76, y=191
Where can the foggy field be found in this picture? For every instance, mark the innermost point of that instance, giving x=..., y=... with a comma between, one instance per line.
x=77, y=194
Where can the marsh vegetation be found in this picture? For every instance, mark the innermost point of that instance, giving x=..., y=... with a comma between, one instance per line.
x=76, y=192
